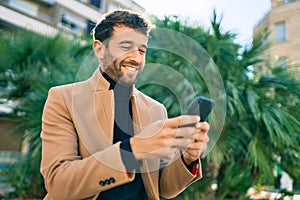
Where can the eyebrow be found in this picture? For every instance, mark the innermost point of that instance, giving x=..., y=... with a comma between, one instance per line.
x=131, y=42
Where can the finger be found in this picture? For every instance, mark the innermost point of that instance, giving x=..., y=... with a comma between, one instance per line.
x=201, y=137
x=197, y=146
x=193, y=152
x=198, y=127
x=182, y=120
x=186, y=132
x=181, y=143
x=204, y=126
x=192, y=155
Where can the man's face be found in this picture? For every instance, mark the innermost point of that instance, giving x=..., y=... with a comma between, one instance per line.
x=124, y=55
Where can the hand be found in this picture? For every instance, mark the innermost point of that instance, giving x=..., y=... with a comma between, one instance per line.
x=196, y=148
x=163, y=138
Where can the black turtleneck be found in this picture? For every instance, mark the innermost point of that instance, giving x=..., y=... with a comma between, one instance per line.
x=123, y=130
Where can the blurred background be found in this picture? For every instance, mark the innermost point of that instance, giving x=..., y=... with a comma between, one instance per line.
x=254, y=44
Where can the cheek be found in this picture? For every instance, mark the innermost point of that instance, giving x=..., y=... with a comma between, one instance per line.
x=108, y=59
x=116, y=54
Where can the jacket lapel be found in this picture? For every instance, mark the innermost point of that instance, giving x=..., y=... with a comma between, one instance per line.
x=104, y=109
x=103, y=104
x=93, y=120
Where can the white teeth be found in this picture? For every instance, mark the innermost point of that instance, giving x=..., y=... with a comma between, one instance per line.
x=132, y=69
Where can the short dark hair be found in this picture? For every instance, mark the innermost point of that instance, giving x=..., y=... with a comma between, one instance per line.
x=121, y=17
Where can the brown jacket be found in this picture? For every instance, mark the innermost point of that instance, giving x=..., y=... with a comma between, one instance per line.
x=78, y=157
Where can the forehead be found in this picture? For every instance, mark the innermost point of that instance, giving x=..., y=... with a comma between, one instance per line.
x=124, y=33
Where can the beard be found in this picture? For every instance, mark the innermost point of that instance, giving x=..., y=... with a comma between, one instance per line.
x=124, y=73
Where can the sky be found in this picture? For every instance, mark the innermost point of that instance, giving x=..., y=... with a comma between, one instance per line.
x=239, y=16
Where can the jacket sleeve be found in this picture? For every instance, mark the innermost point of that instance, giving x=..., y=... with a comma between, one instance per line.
x=67, y=175
x=176, y=177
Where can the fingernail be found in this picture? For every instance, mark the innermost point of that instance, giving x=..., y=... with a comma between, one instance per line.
x=198, y=125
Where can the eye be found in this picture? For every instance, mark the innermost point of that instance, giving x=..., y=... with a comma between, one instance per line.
x=142, y=50
x=126, y=47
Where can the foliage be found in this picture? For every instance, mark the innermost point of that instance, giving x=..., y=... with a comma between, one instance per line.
x=30, y=65
x=25, y=178
x=261, y=125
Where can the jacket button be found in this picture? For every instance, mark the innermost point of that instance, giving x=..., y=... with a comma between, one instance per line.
x=102, y=183
x=112, y=180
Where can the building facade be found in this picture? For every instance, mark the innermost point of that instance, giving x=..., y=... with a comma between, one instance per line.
x=283, y=24
x=51, y=16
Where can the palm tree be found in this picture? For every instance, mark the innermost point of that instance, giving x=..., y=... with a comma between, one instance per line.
x=30, y=64
x=262, y=118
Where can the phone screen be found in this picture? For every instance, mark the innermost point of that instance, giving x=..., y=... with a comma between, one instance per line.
x=202, y=106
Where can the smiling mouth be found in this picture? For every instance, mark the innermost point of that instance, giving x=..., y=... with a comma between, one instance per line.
x=130, y=68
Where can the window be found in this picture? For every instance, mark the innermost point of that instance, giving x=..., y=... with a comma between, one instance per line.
x=96, y=3
x=280, y=32
x=48, y=2
x=72, y=22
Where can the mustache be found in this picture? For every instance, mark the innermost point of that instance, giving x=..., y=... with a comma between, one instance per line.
x=131, y=63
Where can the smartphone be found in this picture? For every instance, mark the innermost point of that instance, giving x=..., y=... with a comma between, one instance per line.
x=201, y=106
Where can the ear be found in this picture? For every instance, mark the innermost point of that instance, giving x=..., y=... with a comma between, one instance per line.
x=99, y=49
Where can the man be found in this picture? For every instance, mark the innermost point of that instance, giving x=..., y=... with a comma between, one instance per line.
x=104, y=139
